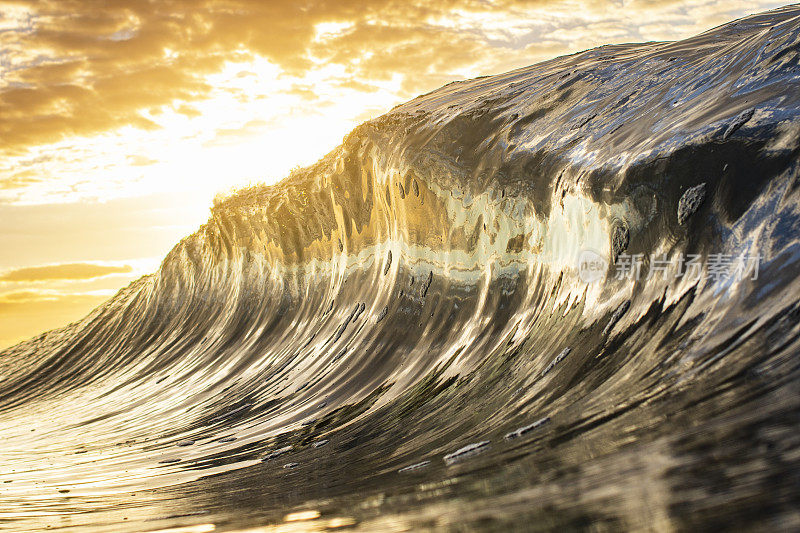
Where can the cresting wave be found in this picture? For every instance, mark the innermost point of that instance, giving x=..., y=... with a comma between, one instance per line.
x=401, y=335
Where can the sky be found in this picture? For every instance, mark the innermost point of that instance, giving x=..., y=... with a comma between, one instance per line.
x=121, y=120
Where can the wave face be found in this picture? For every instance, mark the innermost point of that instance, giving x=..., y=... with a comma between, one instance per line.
x=434, y=327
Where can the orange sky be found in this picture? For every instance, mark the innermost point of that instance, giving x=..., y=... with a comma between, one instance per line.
x=120, y=120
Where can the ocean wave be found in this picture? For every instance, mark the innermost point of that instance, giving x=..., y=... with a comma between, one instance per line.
x=422, y=292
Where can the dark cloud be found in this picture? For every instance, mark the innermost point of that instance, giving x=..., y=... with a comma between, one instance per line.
x=65, y=271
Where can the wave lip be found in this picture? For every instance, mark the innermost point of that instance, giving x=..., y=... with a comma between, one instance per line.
x=447, y=275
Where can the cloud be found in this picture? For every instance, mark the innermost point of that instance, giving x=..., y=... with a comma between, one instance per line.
x=21, y=178
x=81, y=67
x=26, y=296
x=20, y=297
x=232, y=135
x=139, y=160
x=64, y=271
x=26, y=313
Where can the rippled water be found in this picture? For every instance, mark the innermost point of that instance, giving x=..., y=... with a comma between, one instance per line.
x=406, y=335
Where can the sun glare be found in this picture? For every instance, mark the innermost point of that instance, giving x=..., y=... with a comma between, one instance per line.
x=235, y=136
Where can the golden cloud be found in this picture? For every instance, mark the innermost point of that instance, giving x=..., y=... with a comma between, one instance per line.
x=79, y=67
x=26, y=313
x=82, y=67
x=64, y=271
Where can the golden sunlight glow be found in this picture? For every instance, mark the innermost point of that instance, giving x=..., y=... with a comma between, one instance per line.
x=235, y=136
